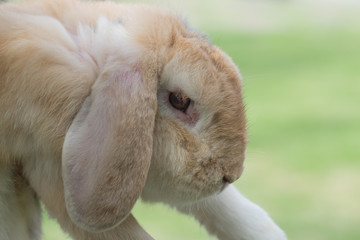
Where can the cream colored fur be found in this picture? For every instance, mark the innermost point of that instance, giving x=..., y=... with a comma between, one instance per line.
x=86, y=125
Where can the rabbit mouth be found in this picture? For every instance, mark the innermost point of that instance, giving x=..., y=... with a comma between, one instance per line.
x=225, y=185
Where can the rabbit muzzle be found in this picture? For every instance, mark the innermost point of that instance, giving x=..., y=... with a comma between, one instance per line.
x=234, y=175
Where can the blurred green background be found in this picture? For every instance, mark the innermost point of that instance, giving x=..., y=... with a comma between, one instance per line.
x=300, y=62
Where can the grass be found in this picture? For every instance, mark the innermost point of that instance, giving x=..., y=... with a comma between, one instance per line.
x=302, y=91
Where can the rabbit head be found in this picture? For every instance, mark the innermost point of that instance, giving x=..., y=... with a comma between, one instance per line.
x=198, y=145
x=200, y=135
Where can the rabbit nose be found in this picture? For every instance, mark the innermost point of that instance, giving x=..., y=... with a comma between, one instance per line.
x=230, y=178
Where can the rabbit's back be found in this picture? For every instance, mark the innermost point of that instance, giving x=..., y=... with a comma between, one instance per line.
x=43, y=81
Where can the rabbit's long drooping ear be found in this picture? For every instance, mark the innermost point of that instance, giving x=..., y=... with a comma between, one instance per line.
x=108, y=147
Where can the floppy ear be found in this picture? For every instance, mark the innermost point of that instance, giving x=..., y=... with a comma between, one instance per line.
x=107, y=149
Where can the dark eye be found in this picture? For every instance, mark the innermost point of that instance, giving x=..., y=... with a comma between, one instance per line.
x=179, y=101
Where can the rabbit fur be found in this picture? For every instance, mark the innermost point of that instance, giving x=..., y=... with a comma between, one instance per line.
x=86, y=126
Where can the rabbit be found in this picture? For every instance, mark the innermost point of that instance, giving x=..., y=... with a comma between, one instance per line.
x=104, y=103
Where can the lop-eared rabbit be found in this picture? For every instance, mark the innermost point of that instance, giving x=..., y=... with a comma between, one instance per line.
x=102, y=104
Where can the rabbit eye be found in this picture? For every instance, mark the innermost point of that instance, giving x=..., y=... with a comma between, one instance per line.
x=179, y=101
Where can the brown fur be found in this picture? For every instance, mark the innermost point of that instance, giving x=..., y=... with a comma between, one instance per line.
x=89, y=139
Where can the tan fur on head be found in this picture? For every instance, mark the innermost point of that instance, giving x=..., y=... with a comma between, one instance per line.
x=84, y=107
x=213, y=146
